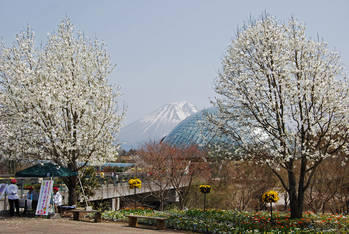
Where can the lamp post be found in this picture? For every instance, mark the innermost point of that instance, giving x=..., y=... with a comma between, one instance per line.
x=135, y=183
x=205, y=189
x=270, y=197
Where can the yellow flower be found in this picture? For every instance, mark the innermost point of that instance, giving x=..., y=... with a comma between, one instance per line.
x=135, y=183
x=270, y=196
x=205, y=188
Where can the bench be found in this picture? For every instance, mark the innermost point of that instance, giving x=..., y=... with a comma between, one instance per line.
x=76, y=214
x=63, y=209
x=160, y=221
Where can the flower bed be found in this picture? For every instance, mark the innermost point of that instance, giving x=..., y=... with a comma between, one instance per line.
x=227, y=221
x=218, y=221
x=121, y=214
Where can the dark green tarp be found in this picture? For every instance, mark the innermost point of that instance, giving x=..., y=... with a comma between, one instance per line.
x=45, y=170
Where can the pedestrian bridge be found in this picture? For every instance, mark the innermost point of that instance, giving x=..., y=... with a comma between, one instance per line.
x=113, y=189
x=109, y=191
x=117, y=191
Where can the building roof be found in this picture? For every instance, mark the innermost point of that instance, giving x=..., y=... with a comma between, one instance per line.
x=195, y=129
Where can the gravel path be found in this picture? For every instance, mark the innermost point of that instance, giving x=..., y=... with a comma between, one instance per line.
x=68, y=226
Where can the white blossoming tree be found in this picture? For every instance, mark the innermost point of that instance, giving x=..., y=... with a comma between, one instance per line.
x=283, y=98
x=56, y=103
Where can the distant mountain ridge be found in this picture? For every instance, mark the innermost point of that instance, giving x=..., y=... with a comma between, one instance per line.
x=156, y=125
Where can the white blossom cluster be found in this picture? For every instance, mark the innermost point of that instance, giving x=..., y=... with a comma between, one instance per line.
x=282, y=96
x=55, y=100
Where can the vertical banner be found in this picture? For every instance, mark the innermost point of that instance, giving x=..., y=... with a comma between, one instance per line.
x=43, y=207
x=2, y=190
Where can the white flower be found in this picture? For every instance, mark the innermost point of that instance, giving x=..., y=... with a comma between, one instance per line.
x=56, y=102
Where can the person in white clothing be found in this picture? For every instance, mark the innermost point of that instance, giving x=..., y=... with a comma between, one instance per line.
x=57, y=199
x=13, y=199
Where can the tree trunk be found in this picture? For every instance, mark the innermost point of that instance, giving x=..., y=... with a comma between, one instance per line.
x=300, y=202
x=162, y=200
x=71, y=183
x=294, y=205
x=181, y=198
x=301, y=186
x=296, y=199
x=285, y=197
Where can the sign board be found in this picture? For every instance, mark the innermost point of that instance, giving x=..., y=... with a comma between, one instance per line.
x=3, y=188
x=44, y=205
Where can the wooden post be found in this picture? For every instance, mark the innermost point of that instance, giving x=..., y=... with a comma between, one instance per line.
x=76, y=215
x=204, y=201
x=160, y=224
x=132, y=221
x=98, y=217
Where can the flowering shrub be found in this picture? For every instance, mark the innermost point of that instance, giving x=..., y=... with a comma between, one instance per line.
x=135, y=183
x=205, y=188
x=270, y=196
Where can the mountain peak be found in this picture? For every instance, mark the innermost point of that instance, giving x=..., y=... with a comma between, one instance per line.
x=155, y=125
x=181, y=104
x=172, y=112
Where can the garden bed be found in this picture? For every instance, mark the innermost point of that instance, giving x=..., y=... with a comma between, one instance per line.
x=227, y=221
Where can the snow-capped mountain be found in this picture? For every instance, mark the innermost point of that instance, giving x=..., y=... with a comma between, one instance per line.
x=156, y=125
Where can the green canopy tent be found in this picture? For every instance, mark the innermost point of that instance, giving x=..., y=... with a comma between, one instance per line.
x=47, y=169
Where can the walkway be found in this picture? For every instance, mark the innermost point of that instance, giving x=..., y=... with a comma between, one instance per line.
x=67, y=226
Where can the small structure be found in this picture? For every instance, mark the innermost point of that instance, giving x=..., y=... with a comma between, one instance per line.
x=160, y=221
x=47, y=169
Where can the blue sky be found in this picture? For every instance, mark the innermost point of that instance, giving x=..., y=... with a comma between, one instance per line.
x=168, y=51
